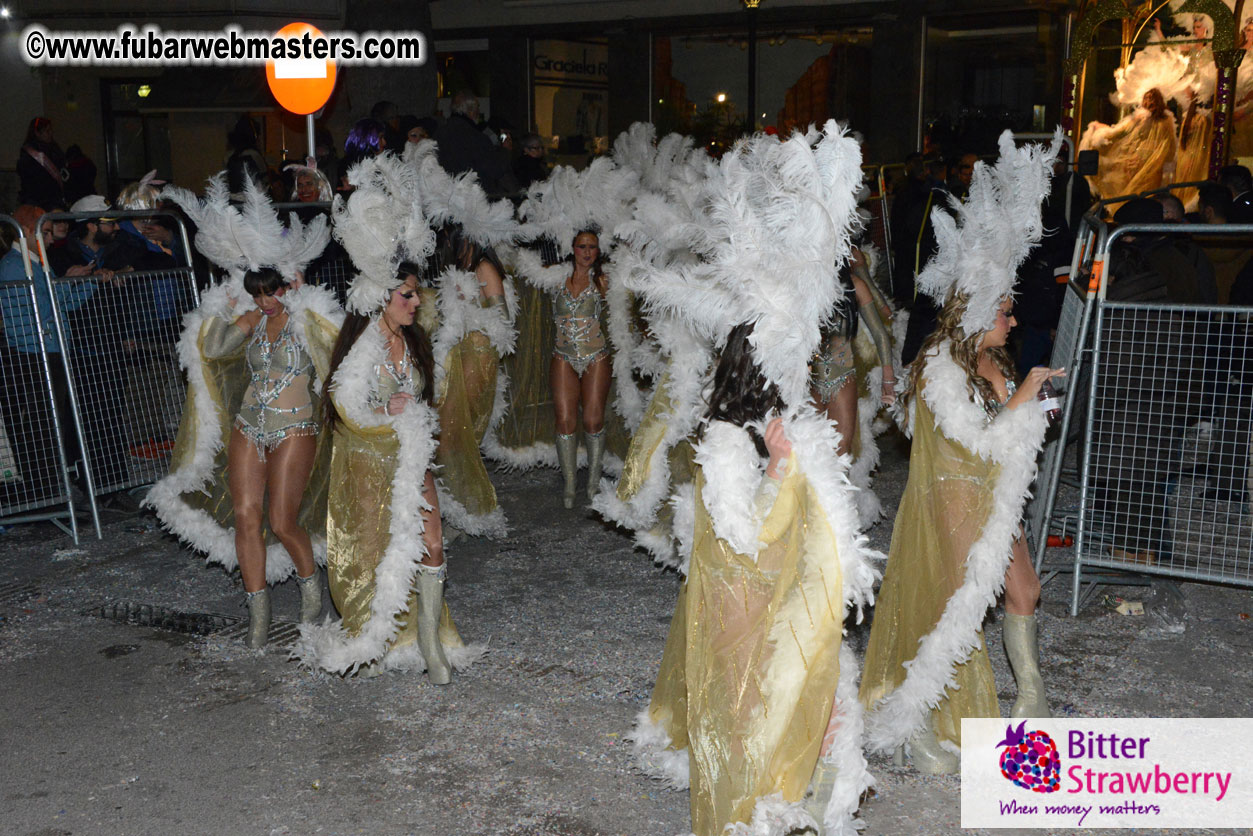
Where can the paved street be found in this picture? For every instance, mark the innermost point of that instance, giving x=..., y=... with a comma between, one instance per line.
x=109, y=728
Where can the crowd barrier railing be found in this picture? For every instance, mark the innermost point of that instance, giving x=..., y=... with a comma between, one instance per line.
x=118, y=331
x=1163, y=397
x=34, y=470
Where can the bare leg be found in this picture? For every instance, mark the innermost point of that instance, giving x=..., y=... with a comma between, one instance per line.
x=1022, y=585
x=289, y=466
x=565, y=389
x=432, y=530
x=842, y=409
x=247, y=479
x=595, y=386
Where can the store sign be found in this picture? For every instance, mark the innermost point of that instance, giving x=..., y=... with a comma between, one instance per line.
x=566, y=61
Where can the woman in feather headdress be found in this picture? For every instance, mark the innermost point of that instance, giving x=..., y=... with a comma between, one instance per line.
x=958, y=538
x=385, y=553
x=252, y=406
x=754, y=669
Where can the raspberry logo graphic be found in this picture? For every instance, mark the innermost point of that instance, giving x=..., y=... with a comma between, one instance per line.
x=1030, y=759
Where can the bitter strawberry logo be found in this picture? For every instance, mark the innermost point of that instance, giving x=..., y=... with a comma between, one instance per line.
x=1030, y=759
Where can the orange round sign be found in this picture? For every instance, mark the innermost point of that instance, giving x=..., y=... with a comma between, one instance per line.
x=301, y=85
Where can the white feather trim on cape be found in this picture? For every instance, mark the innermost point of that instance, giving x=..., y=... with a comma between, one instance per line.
x=846, y=754
x=733, y=471
x=328, y=646
x=195, y=526
x=1013, y=440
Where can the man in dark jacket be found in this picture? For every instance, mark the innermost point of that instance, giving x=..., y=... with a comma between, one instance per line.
x=463, y=147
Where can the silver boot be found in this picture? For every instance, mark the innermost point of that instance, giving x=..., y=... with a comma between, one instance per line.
x=929, y=756
x=568, y=456
x=258, y=618
x=1023, y=650
x=430, y=607
x=820, y=787
x=595, y=452
x=310, y=597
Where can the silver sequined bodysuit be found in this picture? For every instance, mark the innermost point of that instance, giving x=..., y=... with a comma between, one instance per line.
x=579, y=340
x=278, y=403
x=395, y=378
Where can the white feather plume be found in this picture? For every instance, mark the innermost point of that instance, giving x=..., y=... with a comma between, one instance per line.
x=248, y=236
x=979, y=252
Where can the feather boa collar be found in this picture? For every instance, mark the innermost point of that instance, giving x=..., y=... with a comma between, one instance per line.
x=1013, y=440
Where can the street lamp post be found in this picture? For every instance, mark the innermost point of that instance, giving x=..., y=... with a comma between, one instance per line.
x=750, y=123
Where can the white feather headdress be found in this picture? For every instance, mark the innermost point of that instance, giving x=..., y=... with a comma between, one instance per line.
x=598, y=197
x=381, y=224
x=459, y=200
x=248, y=236
x=979, y=252
x=775, y=222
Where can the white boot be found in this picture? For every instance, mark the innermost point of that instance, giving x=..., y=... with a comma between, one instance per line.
x=1023, y=650
x=820, y=786
x=258, y=617
x=430, y=607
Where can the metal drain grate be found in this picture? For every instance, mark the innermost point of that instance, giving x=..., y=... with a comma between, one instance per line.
x=162, y=618
x=282, y=633
x=15, y=592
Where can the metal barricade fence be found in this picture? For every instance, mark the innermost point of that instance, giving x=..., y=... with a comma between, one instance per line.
x=34, y=477
x=1071, y=346
x=118, y=330
x=1164, y=464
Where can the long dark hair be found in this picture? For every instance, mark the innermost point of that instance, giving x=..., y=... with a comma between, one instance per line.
x=598, y=266
x=452, y=247
x=420, y=352
x=741, y=394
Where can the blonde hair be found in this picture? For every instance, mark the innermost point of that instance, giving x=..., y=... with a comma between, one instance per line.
x=964, y=349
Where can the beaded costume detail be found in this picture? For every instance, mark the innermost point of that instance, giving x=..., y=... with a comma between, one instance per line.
x=580, y=341
x=278, y=403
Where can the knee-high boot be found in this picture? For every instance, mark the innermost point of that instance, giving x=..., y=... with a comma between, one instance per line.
x=568, y=457
x=310, y=597
x=595, y=453
x=1023, y=649
x=430, y=607
x=258, y=617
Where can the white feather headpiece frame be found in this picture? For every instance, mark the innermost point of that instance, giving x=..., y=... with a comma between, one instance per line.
x=597, y=198
x=979, y=252
x=381, y=224
x=460, y=199
x=249, y=236
x=773, y=232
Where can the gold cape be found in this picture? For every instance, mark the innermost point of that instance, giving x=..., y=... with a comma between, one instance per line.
x=193, y=500
x=1132, y=153
x=951, y=546
x=374, y=528
x=468, y=341
x=753, y=659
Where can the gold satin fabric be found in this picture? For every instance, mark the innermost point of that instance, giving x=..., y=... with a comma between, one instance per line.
x=469, y=393
x=529, y=420
x=946, y=504
x=752, y=660
x=226, y=376
x=1194, y=150
x=1132, y=162
x=363, y=465
x=637, y=465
